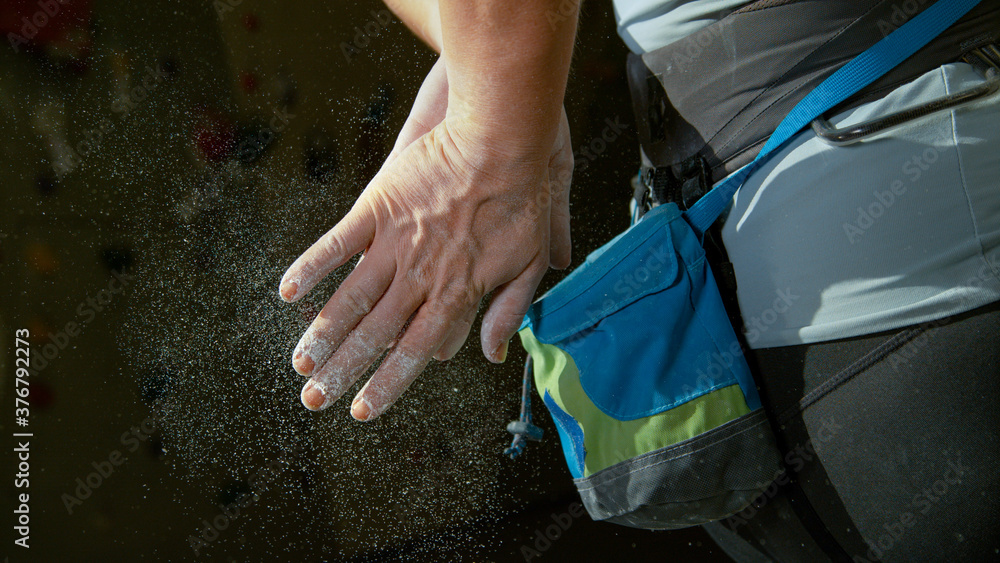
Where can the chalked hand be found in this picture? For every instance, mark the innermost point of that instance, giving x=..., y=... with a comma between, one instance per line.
x=472, y=200
x=442, y=224
x=429, y=109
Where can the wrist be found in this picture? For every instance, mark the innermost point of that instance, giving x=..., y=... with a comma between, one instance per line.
x=507, y=72
x=487, y=143
x=504, y=130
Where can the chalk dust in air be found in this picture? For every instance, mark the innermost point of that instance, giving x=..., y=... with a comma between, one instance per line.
x=209, y=342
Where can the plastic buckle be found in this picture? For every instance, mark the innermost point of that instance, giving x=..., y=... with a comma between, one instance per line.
x=683, y=183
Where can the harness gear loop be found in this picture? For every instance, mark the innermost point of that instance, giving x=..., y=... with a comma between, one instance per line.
x=985, y=59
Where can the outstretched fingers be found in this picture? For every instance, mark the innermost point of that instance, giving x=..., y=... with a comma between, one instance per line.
x=426, y=334
x=359, y=350
x=350, y=236
x=354, y=299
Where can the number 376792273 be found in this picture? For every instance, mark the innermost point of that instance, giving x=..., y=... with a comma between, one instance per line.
x=21, y=362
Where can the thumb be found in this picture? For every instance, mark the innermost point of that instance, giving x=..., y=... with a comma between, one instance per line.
x=560, y=246
x=506, y=312
x=429, y=109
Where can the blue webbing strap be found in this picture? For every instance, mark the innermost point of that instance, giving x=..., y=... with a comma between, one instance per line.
x=849, y=79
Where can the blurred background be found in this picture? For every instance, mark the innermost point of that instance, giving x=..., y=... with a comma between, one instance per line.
x=161, y=164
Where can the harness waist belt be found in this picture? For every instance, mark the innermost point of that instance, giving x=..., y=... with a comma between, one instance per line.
x=715, y=96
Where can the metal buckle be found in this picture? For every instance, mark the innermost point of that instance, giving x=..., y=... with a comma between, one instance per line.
x=985, y=59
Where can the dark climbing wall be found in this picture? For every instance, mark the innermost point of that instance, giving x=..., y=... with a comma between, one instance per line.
x=161, y=163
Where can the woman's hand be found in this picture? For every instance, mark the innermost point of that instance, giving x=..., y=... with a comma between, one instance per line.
x=471, y=201
x=447, y=220
x=430, y=107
